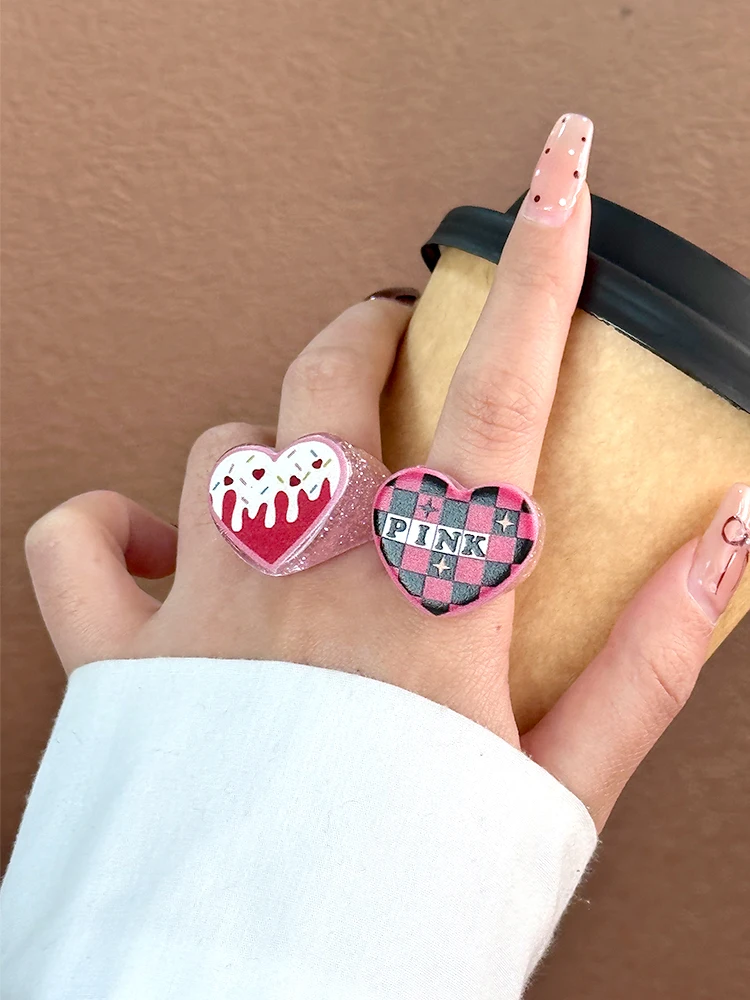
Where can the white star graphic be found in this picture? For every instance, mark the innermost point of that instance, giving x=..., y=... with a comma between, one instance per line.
x=506, y=522
x=442, y=566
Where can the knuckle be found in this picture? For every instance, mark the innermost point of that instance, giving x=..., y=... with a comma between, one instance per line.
x=216, y=440
x=64, y=522
x=503, y=407
x=546, y=285
x=94, y=499
x=46, y=534
x=322, y=370
x=669, y=674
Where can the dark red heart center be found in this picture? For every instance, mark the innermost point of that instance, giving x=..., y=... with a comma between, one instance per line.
x=258, y=473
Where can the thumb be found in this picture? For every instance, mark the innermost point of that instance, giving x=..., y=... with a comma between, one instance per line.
x=600, y=730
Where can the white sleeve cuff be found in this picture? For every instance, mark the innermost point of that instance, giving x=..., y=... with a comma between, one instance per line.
x=225, y=828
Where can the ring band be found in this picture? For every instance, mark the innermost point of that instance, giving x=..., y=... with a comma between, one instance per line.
x=448, y=548
x=285, y=511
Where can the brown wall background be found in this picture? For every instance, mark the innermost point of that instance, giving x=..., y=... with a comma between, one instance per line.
x=193, y=187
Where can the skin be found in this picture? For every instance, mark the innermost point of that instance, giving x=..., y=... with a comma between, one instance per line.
x=85, y=554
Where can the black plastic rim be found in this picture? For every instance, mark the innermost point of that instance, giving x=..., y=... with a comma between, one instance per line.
x=667, y=294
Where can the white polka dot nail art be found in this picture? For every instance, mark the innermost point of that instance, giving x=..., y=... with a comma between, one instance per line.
x=561, y=171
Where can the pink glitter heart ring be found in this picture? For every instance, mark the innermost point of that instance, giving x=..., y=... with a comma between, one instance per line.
x=448, y=548
x=285, y=511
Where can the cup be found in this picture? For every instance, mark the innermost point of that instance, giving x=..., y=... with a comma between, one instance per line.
x=650, y=425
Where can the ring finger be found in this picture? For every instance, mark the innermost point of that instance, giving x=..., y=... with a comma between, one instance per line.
x=334, y=386
x=496, y=412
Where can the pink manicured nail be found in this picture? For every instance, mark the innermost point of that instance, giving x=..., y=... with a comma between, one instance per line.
x=722, y=554
x=560, y=172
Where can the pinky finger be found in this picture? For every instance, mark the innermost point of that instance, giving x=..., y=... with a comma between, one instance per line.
x=82, y=557
x=604, y=725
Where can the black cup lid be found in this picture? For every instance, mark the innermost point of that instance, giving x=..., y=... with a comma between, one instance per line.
x=665, y=293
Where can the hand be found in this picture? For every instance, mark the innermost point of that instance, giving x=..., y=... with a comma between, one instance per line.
x=346, y=614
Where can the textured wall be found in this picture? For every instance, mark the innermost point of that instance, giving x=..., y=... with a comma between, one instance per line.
x=192, y=187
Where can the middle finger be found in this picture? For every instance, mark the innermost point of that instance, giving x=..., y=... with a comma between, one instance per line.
x=498, y=404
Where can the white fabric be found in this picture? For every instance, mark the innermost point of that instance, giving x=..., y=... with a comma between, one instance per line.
x=239, y=829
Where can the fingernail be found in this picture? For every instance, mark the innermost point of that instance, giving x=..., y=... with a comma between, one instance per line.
x=560, y=172
x=406, y=295
x=722, y=554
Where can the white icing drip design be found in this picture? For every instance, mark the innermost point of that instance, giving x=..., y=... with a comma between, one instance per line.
x=297, y=461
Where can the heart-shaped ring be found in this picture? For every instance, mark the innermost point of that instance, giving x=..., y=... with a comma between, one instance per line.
x=285, y=511
x=448, y=548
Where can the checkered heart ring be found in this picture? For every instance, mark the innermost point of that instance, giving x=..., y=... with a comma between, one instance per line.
x=285, y=511
x=449, y=549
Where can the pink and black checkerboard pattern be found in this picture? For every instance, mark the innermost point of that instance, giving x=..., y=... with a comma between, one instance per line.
x=498, y=531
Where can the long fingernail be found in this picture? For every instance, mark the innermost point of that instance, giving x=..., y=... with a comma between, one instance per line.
x=560, y=172
x=406, y=295
x=722, y=554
